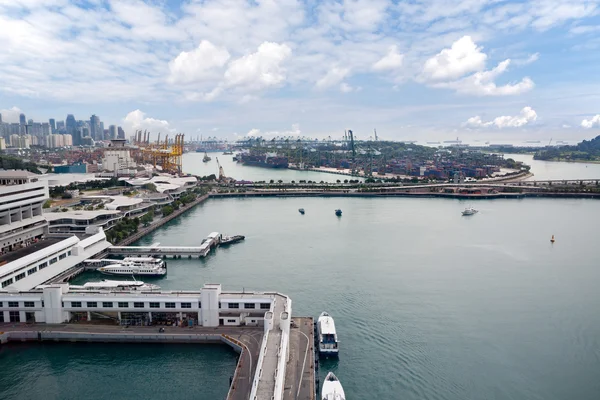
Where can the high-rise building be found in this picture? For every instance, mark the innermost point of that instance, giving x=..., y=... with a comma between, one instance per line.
x=112, y=132
x=46, y=129
x=0, y=118
x=60, y=126
x=52, y=122
x=102, y=130
x=95, y=131
x=71, y=125
x=120, y=133
x=22, y=119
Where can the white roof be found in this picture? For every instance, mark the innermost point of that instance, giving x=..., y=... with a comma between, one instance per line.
x=326, y=325
x=117, y=201
x=39, y=255
x=79, y=215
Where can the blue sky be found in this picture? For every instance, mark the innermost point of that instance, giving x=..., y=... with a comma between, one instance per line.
x=415, y=70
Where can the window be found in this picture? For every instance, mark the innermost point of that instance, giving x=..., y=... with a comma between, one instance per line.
x=62, y=256
x=20, y=276
x=107, y=304
x=186, y=305
x=13, y=304
x=1, y=305
x=154, y=305
x=32, y=271
x=92, y=304
x=138, y=304
x=15, y=316
x=219, y=304
x=42, y=265
x=1, y=317
x=123, y=304
x=199, y=304
x=249, y=305
x=234, y=305
x=265, y=306
x=169, y=305
x=53, y=261
x=7, y=282
x=76, y=304
x=69, y=252
x=231, y=320
x=29, y=304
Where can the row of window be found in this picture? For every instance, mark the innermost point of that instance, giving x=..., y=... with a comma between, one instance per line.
x=15, y=304
x=125, y=304
x=263, y=306
x=35, y=269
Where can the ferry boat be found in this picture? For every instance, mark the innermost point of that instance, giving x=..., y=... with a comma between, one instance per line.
x=206, y=158
x=143, y=266
x=469, y=211
x=328, y=340
x=332, y=388
x=301, y=211
x=116, y=285
x=338, y=213
x=226, y=240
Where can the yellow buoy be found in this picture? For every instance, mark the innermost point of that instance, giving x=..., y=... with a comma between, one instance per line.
x=552, y=240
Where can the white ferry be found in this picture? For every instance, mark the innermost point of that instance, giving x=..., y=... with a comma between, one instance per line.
x=116, y=285
x=328, y=340
x=141, y=266
x=332, y=388
x=469, y=211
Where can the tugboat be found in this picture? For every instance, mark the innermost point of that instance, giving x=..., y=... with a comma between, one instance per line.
x=301, y=211
x=338, y=212
x=206, y=158
x=227, y=240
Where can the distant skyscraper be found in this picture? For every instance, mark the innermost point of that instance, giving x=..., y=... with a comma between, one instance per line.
x=52, y=125
x=71, y=125
x=95, y=131
x=0, y=118
x=22, y=119
x=103, y=130
x=112, y=132
x=60, y=126
x=120, y=133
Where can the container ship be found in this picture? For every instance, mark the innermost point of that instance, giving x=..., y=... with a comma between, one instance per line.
x=263, y=160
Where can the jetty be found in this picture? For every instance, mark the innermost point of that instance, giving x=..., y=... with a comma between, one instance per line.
x=211, y=242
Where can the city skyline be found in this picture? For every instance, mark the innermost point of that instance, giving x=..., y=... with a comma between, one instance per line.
x=414, y=71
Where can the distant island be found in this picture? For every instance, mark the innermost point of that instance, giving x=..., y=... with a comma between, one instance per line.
x=586, y=151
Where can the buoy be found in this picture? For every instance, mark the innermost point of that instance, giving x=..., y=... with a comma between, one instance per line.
x=552, y=240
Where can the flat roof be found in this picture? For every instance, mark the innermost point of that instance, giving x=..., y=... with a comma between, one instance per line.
x=79, y=215
x=16, y=173
x=117, y=201
x=20, y=253
x=32, y=255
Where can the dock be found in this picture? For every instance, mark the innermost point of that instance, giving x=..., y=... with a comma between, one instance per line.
x=298, y=382
x=209, y=243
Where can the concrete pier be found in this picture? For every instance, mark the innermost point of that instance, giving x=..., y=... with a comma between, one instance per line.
x=299, y=375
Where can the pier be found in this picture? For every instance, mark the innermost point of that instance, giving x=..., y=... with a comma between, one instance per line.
x=211, y=242
x=298, y=378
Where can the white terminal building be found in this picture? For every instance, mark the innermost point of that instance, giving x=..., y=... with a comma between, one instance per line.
x=117, y=157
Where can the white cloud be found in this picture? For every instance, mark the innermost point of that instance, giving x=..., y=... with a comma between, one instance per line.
x=525, y=117
x=295, y=131
x=137, y=120
x=261, y=69
x=551, y=13
x=10, y=114
x=529, y=60
x=334, y=76
x=197, y=64
x=592, y=122
x=463, y=57
x=253, y=132
x=391, y=61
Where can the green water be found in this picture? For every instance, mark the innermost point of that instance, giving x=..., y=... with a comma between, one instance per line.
x=117, y=371
x=428, y=304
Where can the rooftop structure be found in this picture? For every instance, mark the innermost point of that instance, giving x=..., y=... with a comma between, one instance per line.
x=79, y=222
x=22, y=197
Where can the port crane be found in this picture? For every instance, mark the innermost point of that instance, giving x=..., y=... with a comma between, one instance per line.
x=222, y=177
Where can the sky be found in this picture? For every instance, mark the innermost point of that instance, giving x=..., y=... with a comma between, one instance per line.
x=414, y=70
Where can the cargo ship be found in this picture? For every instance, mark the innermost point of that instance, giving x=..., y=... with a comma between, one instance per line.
x=263, y=160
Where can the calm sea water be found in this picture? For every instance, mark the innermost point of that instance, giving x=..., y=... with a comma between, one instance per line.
x=118, y=371
x=546, y=170
x=192, y=163
x=428, y=304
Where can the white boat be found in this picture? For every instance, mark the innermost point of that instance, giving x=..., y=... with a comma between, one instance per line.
x=140, y=266
x=115, y=285
x=328, y=340
x=469, y=211
x=332, y=388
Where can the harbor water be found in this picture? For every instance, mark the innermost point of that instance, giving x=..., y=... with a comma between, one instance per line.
x=428, y=304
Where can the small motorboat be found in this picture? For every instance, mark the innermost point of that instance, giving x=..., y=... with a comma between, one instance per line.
x=332, y=388
x=227, y=240
x=301, y=211
x=338, y=212
x=469, y=211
